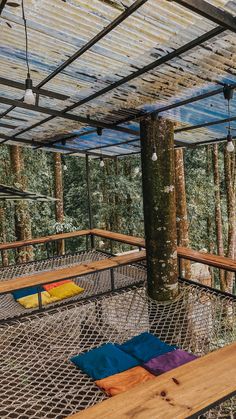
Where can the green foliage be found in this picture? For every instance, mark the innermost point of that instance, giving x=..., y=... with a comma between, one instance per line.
x=116, y=195
x=200, y=197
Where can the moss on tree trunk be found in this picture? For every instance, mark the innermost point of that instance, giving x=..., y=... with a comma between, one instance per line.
x=159, y=207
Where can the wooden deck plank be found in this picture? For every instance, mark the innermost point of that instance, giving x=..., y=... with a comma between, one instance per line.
x=42, y=240
x=40, y=278
x=177, y=394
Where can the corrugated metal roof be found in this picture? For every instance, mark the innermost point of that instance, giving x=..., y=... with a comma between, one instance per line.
x=57, y=29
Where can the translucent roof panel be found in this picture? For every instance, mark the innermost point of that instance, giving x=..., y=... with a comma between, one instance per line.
x=132, y=70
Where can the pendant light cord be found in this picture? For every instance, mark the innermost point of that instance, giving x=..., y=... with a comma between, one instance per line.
x=229, y=116
x=26, y=39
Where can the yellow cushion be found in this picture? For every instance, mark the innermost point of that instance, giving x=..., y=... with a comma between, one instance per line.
x=65, y=291
x=31, y=301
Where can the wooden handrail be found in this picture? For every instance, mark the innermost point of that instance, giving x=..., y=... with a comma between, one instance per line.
x=119, y=237
x=220, y=262
x=42, y=240
x=41, y=278
x=178, y=394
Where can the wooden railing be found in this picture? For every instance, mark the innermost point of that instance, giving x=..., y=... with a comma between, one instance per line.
x=183, y=252
x=178, y=394
x=43, y=240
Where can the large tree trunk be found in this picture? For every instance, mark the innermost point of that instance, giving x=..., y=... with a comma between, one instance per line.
x=181, y=210
x=159, y=207
x=59, y=205
x=22, y=216
x=218, y=213
x=229, y=166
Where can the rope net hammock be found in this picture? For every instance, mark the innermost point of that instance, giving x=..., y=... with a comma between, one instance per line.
x=93, y=284
x=37, y=379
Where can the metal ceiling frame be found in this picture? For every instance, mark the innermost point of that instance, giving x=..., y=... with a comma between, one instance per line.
x=66, y=150
x=2, y=5
x=38, y=91
x=61, y=114
x=201, y=7
x=206, y=124
x=124, y=15
x=210, y=12
x=160, y=61
x=179, y=103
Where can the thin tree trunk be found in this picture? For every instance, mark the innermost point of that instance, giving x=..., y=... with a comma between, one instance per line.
x=209, y=217
x=229, y=167
x=3, y=235
x=159, y=207
x=22, y=216
x=181, y=210
x=218, y=212
x=59, y=206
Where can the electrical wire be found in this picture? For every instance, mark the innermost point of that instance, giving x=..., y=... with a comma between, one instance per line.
x=26, y=38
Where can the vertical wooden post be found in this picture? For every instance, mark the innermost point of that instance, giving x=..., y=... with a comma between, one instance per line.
x=159, y=207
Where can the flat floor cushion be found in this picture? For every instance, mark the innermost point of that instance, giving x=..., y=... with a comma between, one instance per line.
x=119, y=383
x=104, y=361
x=65, y=291
x=48, y=287
x=168, y=361
x=145, y=347
x=31, y=301
x=26, y=291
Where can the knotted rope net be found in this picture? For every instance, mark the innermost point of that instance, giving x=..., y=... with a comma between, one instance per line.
x=93, y=284
x=37, y=379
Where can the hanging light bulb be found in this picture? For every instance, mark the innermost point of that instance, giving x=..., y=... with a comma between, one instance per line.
x=154, y=154
x=102, y=164
x=29, y=96
x=228, y=92
x=230, y=146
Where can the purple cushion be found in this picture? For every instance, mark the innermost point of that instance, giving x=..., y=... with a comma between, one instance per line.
x=168, y=361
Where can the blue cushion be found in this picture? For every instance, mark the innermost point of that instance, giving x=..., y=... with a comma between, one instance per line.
x=104, y=361
x=27, y=291
x=145, y=347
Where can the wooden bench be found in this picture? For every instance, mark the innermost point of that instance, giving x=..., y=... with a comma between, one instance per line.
x=41, y=278
x=177, y=394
